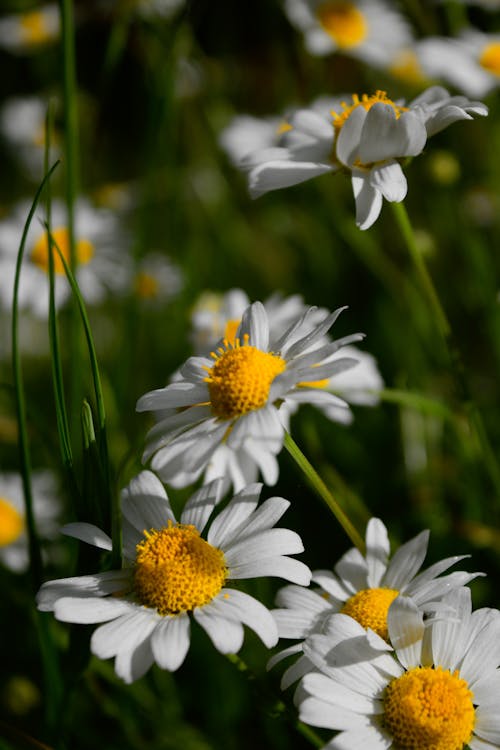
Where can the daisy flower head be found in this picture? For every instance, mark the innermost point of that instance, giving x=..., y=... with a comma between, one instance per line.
x=27, y=32
x=176, y=571
x=363, y=587
x=46, y=507
x=157, y=279
x=232, y=398
x=438, y=689
x=368, y=138
x=102, y=266
x=370, y=30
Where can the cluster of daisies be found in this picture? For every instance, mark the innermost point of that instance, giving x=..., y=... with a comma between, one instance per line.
x=383, y=652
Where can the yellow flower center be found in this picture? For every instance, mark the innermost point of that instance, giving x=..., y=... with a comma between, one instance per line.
x=369, y=607
x=34, y=28
x=40, y=252
x=176, y=570
x=343, y=22
x=11, y=523
x=146, y=286
x=367, y=102
x=429, y=709
x=283, y=127
x=490, y=58
x=240, y=379
x=407, y=67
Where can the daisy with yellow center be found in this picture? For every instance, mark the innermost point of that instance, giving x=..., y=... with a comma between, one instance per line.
x=156, y=280
x=368, y=137
x=438, y=690
x=364, y=588
x=176, y=571
x=232, y=398
x=370, y=30
x=29, y=31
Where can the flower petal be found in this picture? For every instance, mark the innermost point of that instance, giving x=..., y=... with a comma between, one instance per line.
x=87, y=532
x=170, y=641
x=389, y=179
x=368, y=199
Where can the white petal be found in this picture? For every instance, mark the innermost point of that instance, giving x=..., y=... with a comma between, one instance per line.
x=234, y=515
x=254, y=323
x=352, y=570
x=87, y=532
x=133, y=663
x=90, y=610
x=389, y=179
x=348, y=141
x=448, y=634
x=362, y=738
x=268, y=543
x=406, y=630
x=170, y=641
x=368, y=200
x=173, y=396
x=284, y=654
x=293, y=623
x=300, y=598
x=226, y=635
x=321, y=713
x=263, y=518
x=483, y=654
x=406, y=561
x=280, y=174
x=377, y=551
x=201, y=504
x=280, y=567
x=386, y=137
x=124, y=633
x=238, y=606
x=100, y=584
x=331, y=584
x=331, y=691
x=145, y=503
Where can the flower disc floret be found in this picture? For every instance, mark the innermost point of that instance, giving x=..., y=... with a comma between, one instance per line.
x=176, y=570
x=429, y=709
x=370, y=607
x=344, y=22
x=366, y=101
x=240, y=379
x=11, y=523
x=490, y=58
x=40, y=252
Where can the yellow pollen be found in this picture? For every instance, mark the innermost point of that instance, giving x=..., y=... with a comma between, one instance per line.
x=241, y=378
x=367, y=102
x=369, y=607
x=40, y=252
x=429, y=709
x=343, y=22
x=176, y=570
x=146, y=286
x=230, y=330
x=11, y=523
x=490, y=58
x=283, y=127
x=34, y=28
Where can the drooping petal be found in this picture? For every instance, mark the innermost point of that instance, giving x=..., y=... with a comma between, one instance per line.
x=389, y=179
x=87, y=532
x=368, y=199
x=170, y=641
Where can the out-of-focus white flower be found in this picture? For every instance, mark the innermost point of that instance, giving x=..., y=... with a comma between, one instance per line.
x=25, y=32
x=369, y=138
x=46, y=509
x=233, y=397
x=156, y=279
x=363, y=587
x=152, y=9
x=173, y=575
x=371, y=30
x=103, y=266
x=470, y=62
x=438, y=689
x=22, y=124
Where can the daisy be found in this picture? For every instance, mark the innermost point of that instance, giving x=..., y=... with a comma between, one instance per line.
x=232, y=397
x=370, y=30
x=437, y=691
x=369, y=138
x=173, y=574
x=363, y=587
x=26, y=32
x=102, y=264
x=470, y=62
x=14, y=552
x=156, y=280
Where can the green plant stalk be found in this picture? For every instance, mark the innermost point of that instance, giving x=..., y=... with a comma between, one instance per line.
x=318, y=484
x=456, y=364
x=101, y=414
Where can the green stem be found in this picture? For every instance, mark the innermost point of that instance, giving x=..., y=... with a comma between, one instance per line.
x=317, y=483
x=456, y=364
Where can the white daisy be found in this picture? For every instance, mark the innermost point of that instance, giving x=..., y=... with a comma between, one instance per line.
x=173, y=574
x=29, y=31
x=370, y=30
x=46, y=508
x=22, y=124
x=102, y=264
x=233, y=397
x=470, y=62
x=438, y=691
x=154, y=9
x=156, y=279
x=368, y=138
x=363, y=587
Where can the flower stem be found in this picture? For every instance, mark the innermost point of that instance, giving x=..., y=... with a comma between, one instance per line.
x=318, y=484
x=456, y=364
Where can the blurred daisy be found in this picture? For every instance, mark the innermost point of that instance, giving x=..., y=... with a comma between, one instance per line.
x=439, y=691
x=46, y=507
x=154, y=9
x=233, y=397
x=102, y=268
x=22, y=125
x=156, y=279
x=173, y=574
x=363, y=587
x=370, y=30
x=470, y=62
x=369, y=138
x=29, y=31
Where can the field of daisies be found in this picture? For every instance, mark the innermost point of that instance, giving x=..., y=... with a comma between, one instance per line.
x=249, y=375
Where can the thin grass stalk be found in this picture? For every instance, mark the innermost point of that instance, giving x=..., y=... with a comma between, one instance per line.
x=318, y=484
